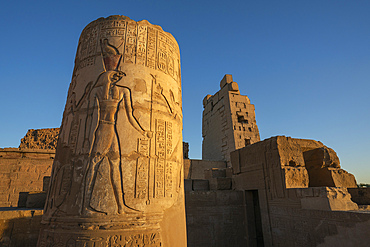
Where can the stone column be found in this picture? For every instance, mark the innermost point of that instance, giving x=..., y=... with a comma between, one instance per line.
x=117, y=176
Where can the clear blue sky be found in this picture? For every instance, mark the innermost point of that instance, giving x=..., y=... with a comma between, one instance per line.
x=304, y=64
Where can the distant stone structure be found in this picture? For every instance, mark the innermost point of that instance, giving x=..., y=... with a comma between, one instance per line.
x=185, y=148
x=297, y=195
x=229, y=122
x=117, y=177
x=40, y=139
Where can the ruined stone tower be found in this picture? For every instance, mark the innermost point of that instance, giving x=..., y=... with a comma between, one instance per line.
x=117, y=176
x=229, y=122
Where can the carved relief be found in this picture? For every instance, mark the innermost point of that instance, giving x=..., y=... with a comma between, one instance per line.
x=160, y=152
x=168, y=138
x=141, y=45
x=151, y=50
x=117, y=167
x=141, y=189
x=130, y=45
x=87, y=48
x=163, y=171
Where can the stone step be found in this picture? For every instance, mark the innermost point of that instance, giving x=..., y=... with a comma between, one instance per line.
x=218, y=173
x=196, y=185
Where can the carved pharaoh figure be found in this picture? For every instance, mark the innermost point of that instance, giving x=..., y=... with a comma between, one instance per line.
x=118, y=164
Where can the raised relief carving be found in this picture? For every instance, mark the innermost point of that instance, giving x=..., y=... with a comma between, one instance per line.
x=141, y=45
x=103, y=175
x=130, y=45
x=137, y=240
x=151, y=48
x=117, y=166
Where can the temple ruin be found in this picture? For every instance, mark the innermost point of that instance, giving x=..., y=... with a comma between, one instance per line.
x=229, y=122
x=118, y=174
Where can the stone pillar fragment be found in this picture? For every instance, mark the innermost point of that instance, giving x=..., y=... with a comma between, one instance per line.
x=117, y=176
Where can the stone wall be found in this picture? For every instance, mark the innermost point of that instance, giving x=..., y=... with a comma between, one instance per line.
x=215, y=218
x=194, y=169
x=19, y=228
x=281, y=208
x=22, y=170
x=215, y=213
x=267, y=200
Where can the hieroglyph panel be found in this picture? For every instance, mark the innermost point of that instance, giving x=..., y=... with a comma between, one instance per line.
x=139, y=42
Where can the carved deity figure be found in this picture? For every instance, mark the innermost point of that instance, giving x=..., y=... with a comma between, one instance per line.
x=107, y=97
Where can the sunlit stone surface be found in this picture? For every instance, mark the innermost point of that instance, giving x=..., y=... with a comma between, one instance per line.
x=117, y=176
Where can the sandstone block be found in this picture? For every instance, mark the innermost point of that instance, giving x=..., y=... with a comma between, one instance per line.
x=296, y=177
x=188, y=184
x=36, y=199
x=215, y=173
x=200, y=185
x=329, y=199
x=187, y=169
x=361, y=196
x=221, y=184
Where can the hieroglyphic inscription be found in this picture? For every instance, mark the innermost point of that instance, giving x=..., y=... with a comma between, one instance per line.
x=168, y=138
x=151, y=48
x=168, y=172
x=162, y=52
x=130, y=45
x=141, y=45
x=142, y=166
x=113, y=24
x=143, y=146
x=115, y=32
x=164, y=168
x=161, y=154
x=141, y=189
x=87, y=62
x=136, y=240
x=88, y=46
x=168, y=180
x=73, y=134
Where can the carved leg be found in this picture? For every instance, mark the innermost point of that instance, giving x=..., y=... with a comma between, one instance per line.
x=117, y=183
x=89, y=183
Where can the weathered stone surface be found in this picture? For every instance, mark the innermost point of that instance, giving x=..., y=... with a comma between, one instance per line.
x=323, y=167
x=22, y=171
x=36, y=199
x=327, y=198
x=273, y=176
x=215, y=218
x=40, y=139
x=295, y=177
x=200, y=184
x=185, y=148
x=19, y=228
x=215, y=173
x=321, y=157
x=229, y=122
x=361, y=196
x=195, y=169
x=118, y=164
